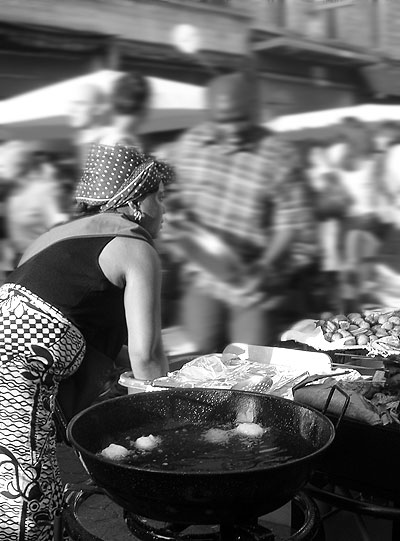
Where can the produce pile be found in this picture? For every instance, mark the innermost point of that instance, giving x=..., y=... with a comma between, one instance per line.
x=376, y=331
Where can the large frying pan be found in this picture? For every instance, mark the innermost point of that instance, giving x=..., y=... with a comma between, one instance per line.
x=202, y=497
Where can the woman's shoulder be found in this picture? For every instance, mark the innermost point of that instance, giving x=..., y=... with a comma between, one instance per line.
x=131, y=250
x=126, y=256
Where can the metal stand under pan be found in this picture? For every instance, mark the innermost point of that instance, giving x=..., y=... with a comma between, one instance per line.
x=339, y=498
x=306, y=524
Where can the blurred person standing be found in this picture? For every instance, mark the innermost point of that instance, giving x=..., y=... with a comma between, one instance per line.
x=241, y=184
x=33, y=204
x=5, y=188
x=330, y=202
x=129, y=101
x=355, y=162
x=387, y=152
x=88, y=108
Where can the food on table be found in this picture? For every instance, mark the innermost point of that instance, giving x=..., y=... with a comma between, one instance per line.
x=115, y=452
x=361, y=329
x=147, y=443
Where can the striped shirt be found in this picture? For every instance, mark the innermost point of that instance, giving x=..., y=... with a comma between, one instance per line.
x=242, y=190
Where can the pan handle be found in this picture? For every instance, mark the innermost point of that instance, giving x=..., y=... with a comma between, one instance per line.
x=316, y=377
x=345, y=405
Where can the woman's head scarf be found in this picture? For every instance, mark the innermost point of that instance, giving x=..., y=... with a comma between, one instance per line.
x=116, y=175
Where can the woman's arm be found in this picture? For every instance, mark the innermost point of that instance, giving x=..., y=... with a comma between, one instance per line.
x=135, y=266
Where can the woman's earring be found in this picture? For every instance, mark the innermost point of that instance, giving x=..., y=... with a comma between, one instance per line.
x=137, y=214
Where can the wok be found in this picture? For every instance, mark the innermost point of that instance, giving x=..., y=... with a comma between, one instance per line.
x=202, y=497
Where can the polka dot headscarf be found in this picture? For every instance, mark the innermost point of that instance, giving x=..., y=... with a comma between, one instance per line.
x=115, y=175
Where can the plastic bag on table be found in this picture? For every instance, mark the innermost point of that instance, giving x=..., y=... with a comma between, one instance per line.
x=211, y=371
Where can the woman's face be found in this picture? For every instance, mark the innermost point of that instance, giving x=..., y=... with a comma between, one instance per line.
x=152, y=207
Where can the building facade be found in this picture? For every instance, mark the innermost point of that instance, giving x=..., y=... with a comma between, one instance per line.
x=310, y=54
x=328, y=53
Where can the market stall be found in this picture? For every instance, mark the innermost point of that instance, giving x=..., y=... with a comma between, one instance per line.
x=323, y=372
x=356, y=474
x=345, y=476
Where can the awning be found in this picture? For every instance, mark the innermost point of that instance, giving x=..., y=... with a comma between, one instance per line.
x=327, y=123
x=43, y=113
x=383, y=79
x=313, y=51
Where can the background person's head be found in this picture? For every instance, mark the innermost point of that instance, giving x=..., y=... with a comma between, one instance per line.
x=352, y=127
x=87, y=107
x=357, y=135
x=387, y=134
x=19, y=159
x=130, y=99
x=233, y=103
x=313, y=153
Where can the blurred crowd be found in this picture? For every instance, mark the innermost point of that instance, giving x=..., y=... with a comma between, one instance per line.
x=258, y=228
x=37, y=185
x=355, y=186
x=354, y=181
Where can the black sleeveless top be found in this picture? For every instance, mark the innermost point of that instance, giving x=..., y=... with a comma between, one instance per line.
x=62, y=268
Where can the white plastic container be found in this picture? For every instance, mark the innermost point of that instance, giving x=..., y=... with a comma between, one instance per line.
x=133, y=385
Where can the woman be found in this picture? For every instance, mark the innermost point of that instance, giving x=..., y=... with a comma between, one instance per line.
x=33, y=202
x=81, y=290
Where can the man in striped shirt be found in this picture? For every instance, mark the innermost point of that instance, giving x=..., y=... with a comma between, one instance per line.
x=240, y=183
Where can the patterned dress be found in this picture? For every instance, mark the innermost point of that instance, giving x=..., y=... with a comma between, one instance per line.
x=38, y=348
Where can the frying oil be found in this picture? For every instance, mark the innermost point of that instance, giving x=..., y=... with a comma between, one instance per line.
x=195, y=449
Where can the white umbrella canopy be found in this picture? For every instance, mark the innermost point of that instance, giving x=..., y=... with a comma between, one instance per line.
x=43, y=113
x=327, y=122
